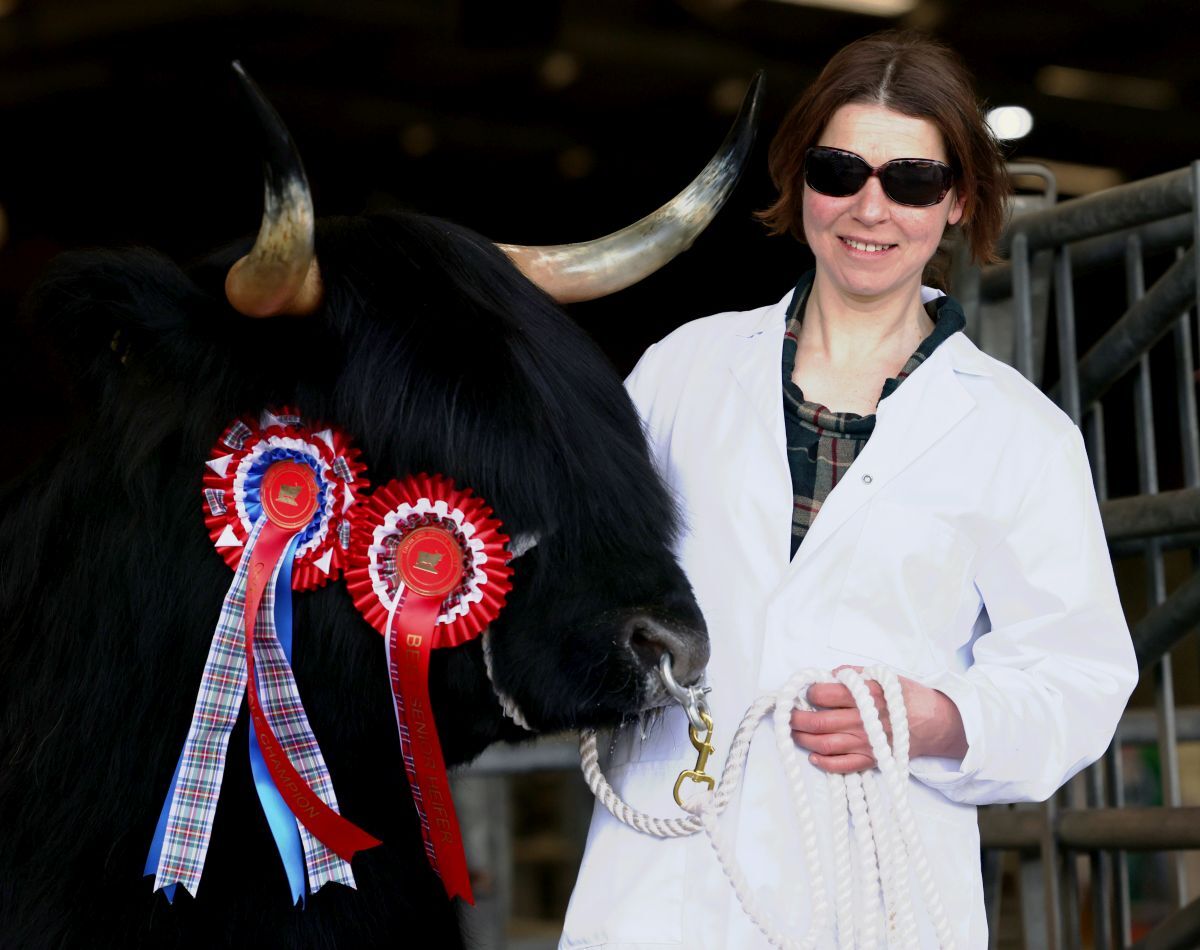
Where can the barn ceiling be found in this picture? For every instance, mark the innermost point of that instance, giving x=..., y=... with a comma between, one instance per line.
x=531, y=121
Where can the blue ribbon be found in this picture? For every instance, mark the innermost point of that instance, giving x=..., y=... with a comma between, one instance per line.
x=284, y=828
x=160, y=832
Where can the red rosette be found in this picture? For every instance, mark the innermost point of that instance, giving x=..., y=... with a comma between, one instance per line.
x=237, y=465
x=454, y=523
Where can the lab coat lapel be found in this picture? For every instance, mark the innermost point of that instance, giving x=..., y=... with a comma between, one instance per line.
x=764, y=494
x=756, y=348
x=908, y=424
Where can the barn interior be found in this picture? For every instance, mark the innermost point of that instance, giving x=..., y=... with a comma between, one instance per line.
x=551, y=121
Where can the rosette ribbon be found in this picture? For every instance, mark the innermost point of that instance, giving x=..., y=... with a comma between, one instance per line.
x=428, y=569
x=278, y=498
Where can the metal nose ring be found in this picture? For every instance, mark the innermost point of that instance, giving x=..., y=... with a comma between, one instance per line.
x=691, y=698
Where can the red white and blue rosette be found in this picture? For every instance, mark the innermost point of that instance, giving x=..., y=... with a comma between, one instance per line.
x=233, y=489
x=428, y=569
x=279, y=495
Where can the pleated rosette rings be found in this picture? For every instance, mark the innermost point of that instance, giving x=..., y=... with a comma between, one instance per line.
x=278, y=494
x=428, y=569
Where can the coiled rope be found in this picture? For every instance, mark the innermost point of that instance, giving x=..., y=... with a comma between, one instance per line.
x=885, y=832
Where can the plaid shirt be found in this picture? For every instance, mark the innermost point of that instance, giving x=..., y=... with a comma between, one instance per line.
x=822, y=444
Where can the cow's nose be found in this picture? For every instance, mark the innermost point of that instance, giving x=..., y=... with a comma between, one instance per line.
x=649, y=640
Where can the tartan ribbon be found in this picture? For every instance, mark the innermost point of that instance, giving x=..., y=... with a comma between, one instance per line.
x=184, y=830
x=318, y=816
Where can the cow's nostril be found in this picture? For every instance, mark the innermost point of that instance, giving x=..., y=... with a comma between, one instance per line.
x=649, y=640
x=645, y=646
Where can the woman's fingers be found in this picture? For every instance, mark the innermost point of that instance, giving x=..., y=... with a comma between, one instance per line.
x=826, y=720
x=842, y=764
x=834, y=733
x=830, y=695
x=838, y=743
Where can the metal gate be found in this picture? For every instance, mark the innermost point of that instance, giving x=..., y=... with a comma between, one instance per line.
x=1076, y=849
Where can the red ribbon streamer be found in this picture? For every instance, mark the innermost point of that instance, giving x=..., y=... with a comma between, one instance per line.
x=340, y=836
x=410, y=641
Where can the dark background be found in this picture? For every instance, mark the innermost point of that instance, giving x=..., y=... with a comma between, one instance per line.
x=539, y=121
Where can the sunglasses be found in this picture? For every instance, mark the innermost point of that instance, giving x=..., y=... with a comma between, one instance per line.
x=916, y=182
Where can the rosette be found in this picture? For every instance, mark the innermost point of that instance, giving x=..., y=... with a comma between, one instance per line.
x=233, y=490
x=428, y=569
x=278, y=496
x=380, y=526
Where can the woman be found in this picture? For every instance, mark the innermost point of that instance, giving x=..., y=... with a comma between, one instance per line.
x=958, y=540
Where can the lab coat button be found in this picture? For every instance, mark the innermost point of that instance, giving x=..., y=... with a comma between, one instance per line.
x=866, y=479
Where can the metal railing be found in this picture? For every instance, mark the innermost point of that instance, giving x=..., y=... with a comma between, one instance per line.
x=1089, y=821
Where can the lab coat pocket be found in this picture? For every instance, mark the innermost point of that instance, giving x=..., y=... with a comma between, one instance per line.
x=907, y=600
x=629, y=892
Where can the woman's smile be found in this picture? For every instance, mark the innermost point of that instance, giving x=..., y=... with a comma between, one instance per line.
x=863, y=248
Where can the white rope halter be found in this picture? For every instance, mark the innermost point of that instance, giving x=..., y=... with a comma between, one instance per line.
x=885, y=833
x=507, y=703
x=886, y=838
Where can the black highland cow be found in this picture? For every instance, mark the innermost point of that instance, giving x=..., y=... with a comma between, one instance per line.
x=433, y=351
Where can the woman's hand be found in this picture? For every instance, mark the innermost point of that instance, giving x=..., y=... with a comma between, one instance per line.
x=835, y=735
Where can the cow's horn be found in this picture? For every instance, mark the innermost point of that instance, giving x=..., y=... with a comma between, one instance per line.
x=280, y=273
x=574, y=272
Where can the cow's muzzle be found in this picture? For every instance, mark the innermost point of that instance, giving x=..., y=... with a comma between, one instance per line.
x=648, y=639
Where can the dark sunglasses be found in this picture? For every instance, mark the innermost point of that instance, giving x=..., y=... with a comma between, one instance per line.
x=916, y=182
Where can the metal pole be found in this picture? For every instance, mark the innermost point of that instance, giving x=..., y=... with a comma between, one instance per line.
x=1170, y=542
x=1051, y=862
x=1157, y=632
x=1112, y=209
x=1133, y=334
x=1144, y=828
x=1069, y=911
x=1023, y=306
x=1150, y=516
x=995, y=280
x=1064, y=291
x=1103, y=881
x=1156, y=582
x=1180, y=931
x=1113, y=887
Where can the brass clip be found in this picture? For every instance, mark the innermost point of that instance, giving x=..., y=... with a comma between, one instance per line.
x=705, y=749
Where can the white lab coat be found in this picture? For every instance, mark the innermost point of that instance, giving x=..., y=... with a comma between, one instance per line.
x=963, y=548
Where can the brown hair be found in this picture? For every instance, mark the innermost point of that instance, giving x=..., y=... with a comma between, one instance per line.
x=915, y=75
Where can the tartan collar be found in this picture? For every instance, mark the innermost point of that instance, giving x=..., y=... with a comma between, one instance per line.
x=943, y=310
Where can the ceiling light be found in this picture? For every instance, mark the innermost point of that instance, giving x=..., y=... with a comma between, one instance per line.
x=559, y=70
x=726, y=95
x=1069, y=83
x=418, y=139
x=885, y=8
x=1010, y=122
x=576, y=162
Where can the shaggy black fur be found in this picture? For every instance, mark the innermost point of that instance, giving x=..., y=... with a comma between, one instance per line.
x=436, y=355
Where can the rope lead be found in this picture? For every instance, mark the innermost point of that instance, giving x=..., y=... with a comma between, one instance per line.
x=884, y=833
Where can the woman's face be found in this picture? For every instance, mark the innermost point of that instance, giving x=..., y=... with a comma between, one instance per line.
x=865, y=243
